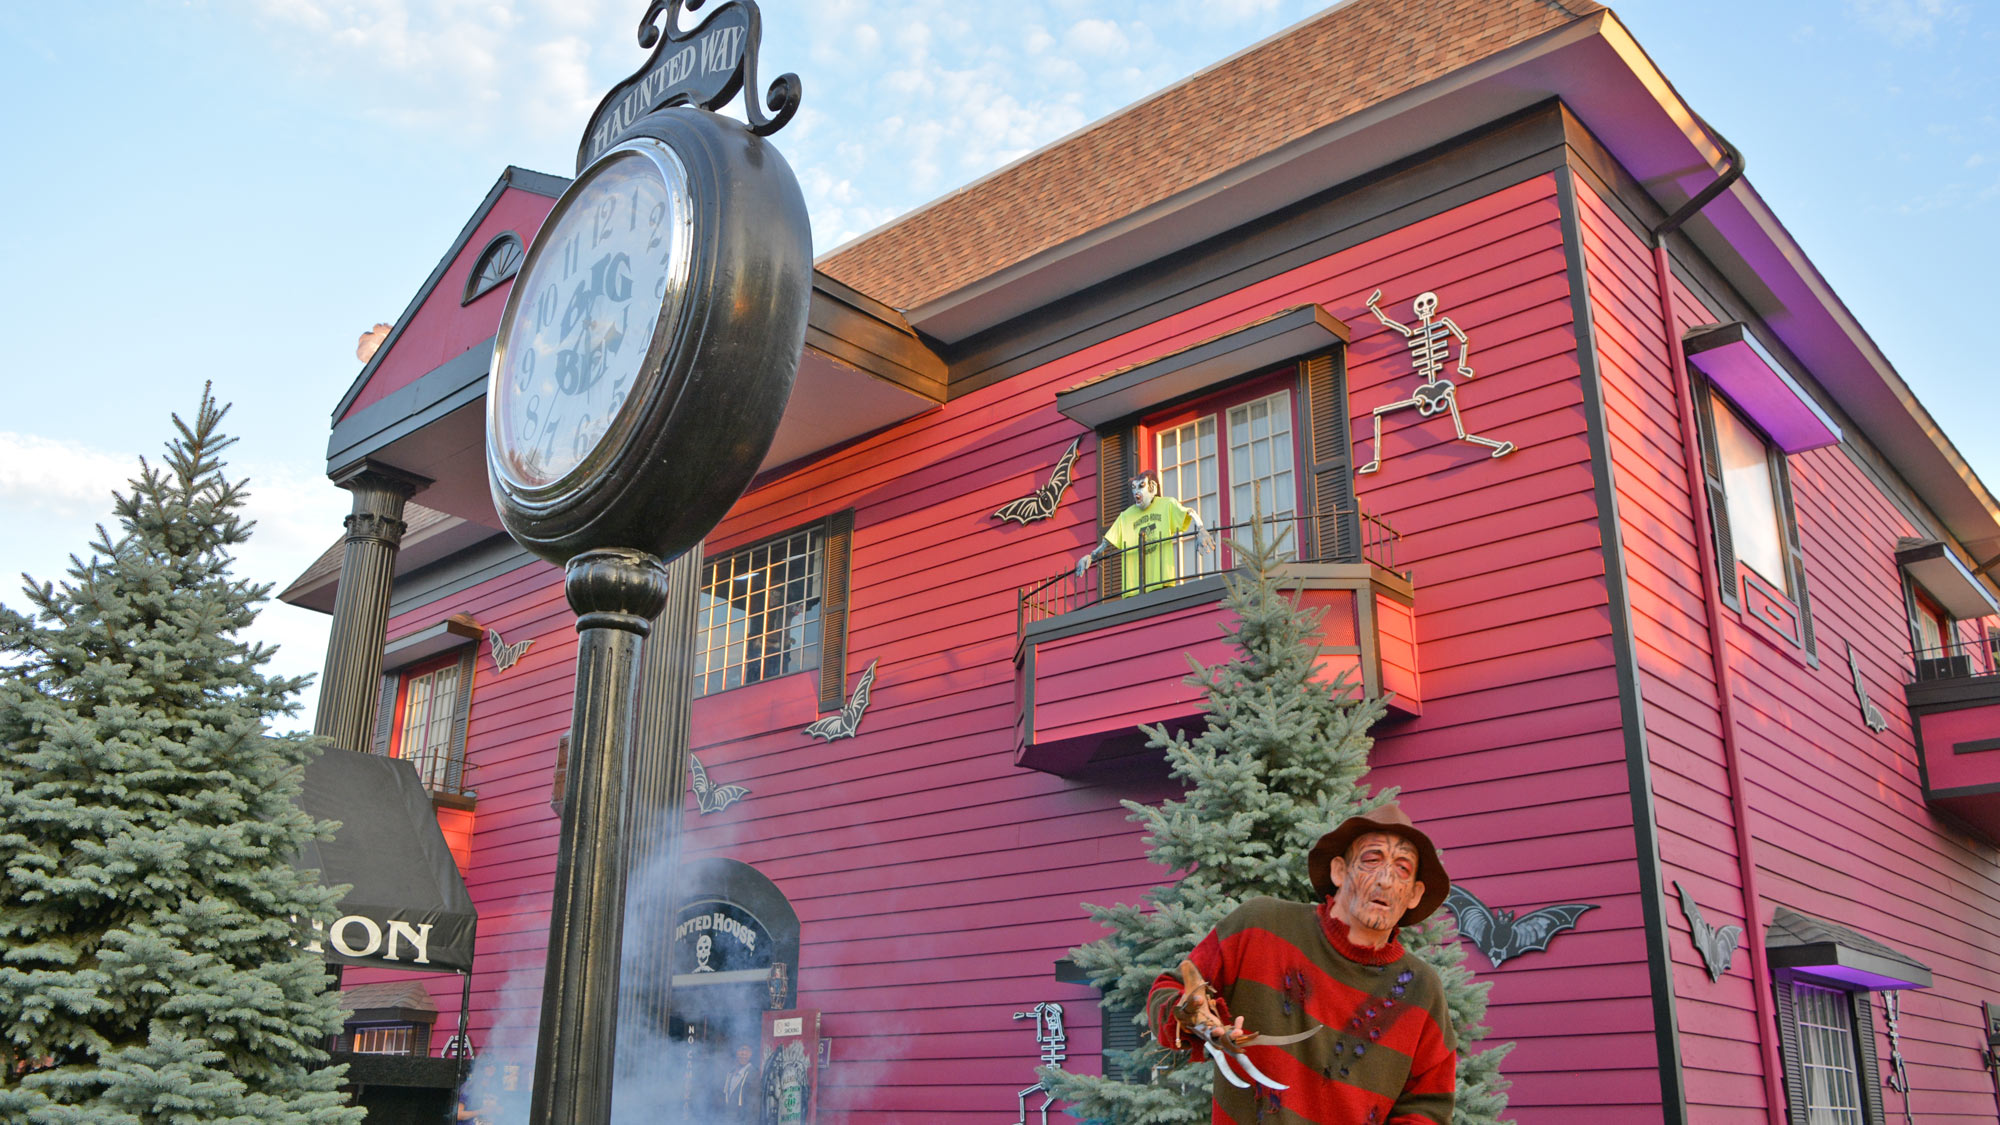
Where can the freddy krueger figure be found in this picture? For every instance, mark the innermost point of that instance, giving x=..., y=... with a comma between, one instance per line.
x=1317, y=1010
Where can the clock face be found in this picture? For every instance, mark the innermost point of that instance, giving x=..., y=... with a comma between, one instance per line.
x=601, y=281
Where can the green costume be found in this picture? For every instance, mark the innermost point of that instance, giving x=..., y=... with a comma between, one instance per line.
x=1156, y=524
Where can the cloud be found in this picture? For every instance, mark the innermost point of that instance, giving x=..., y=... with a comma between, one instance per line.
x=463, y=67
x=1097, y=37
x=60, y=478
x=1903, y=22
x=53, y=494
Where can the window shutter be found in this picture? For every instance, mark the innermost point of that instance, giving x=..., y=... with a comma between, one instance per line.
x=1797, y=561
x=1788, y=1050
x=1116, y=466
x=385, y=711
x=1867, y=1074
x=1120, y=1034
x=461, y=710
x=1718, y=504
x=836, y=552
x=1337, y=518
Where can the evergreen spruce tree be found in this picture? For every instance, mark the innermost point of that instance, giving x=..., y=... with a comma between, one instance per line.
x=1281, y=761
x=149, y=967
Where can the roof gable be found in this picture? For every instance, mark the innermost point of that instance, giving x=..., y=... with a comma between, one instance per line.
x=437, y=326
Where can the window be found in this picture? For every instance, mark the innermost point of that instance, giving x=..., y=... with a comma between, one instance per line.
x=1827, y=1038
x=758, y=615
x=1936, y=653
x=1759, y=565
x=423, y=738
x=499, y=261
x=388, y=1039
x=776, y=608
x=1826, y=1055
x=425, y=702
x=1229, y=459
x=1750, y=487
x=1276, y=443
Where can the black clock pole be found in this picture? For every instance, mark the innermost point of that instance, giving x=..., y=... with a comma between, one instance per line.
x=616, y=593
x=685, y=415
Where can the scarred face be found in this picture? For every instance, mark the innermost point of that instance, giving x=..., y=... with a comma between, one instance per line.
x=1144, y=489
x=1376, y=882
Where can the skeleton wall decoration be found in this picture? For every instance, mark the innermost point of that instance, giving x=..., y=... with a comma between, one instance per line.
x=1899, y=1069
x=1054, y=1042
x=1429, y=341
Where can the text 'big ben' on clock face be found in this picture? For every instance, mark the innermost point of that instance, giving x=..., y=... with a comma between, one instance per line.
x=612, y=270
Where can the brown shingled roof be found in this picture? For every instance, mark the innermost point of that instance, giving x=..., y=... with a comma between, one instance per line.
x=1334, y=65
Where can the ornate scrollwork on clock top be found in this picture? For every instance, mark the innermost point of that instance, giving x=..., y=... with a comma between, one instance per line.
x=703, y=66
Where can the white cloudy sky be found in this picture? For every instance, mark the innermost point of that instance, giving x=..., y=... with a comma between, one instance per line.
x=232, y=190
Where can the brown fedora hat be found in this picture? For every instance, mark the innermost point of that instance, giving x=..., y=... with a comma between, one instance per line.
x=1392, y=819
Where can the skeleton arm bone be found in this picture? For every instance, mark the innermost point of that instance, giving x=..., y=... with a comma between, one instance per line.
x=1384, y=317
x=1464, y=346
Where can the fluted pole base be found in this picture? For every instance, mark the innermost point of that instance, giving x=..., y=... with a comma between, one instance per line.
x=616, y=594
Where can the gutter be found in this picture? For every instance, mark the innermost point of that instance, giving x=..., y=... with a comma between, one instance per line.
x=1718, y=645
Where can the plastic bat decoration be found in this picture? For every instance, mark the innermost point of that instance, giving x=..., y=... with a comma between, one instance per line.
x=1499, y=935
x=1717, y=945
x=504, y=654
x=848, y=721
x=1870, y=714
x=1043, y=503
x=708, y=796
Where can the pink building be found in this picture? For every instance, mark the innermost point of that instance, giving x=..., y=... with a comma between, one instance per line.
x=1702, y=629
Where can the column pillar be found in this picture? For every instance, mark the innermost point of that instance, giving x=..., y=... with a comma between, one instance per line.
x=658, y=787
x=351, y=684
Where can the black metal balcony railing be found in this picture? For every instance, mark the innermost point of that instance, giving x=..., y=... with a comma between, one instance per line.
x=1183, y=559
x=1949, y=662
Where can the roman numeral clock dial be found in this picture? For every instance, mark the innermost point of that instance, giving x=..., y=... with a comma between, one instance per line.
x=603, y=280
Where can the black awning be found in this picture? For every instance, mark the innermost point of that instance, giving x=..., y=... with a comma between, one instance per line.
x=1819, y=948
x=408, y=908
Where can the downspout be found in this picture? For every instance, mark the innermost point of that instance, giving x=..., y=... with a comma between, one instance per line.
x=1718, y=645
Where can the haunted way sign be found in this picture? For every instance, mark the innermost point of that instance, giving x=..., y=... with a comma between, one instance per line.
x=703, y=66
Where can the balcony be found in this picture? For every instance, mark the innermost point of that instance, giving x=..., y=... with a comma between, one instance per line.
x=1955, y=704
x=1094, y=660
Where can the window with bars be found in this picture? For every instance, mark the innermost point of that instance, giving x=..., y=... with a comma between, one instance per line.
x=1826, y=1035
x=775, y=608
x=1826, y=1056
x=387, y=1039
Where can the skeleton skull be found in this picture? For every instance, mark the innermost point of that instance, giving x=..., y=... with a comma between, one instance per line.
x=1426, y=304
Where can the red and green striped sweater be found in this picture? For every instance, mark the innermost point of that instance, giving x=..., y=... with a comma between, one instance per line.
x=1386, y=1054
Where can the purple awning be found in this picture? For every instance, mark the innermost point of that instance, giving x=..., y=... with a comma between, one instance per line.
x=1741, y=369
